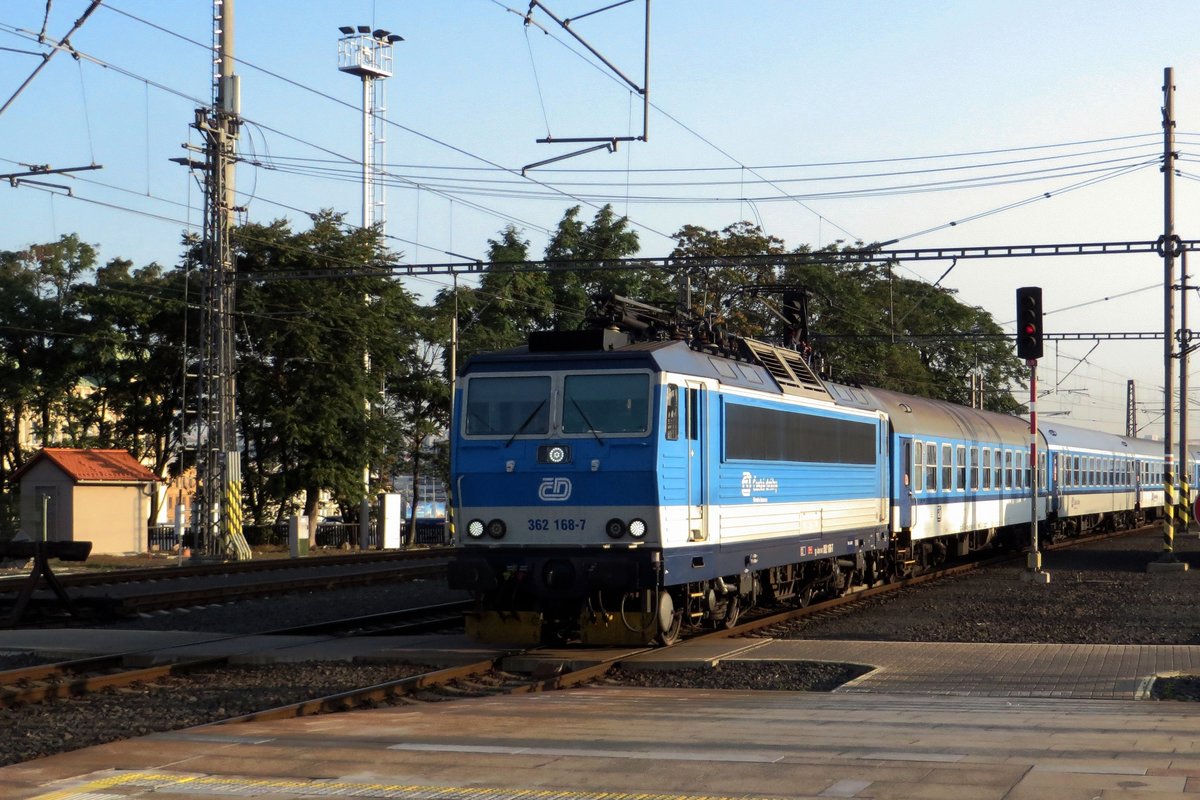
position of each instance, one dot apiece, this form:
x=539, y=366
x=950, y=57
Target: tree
x=133, y=350
x=870, y=327
x=572, y=283
x=508, y=304
x=717, y=285
x=304, y=386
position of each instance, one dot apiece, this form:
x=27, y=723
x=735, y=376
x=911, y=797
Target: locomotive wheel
x=670, y=619
x=733, y=611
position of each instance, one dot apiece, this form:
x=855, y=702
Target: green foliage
x=304, y=386
x=577, y=255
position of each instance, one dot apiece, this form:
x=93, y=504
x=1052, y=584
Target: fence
x=332, y=535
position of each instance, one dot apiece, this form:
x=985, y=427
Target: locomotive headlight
x=496, y=529
x=475, y=528
x=556, y=455
x=637, y=528
x=615, y=528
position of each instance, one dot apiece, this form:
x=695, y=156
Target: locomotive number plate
x=547, y=524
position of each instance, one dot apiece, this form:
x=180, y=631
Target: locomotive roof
x=668, y=356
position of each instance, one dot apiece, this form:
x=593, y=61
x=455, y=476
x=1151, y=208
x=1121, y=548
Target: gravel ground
x=794, y=676
x=1102, y=594
x=176, y=702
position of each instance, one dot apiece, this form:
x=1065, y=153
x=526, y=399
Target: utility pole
x=219, y=500
x=1185, y=490
x=1168, y=246
x=1131, y=429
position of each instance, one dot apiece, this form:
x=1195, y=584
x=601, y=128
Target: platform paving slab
x=656, y=744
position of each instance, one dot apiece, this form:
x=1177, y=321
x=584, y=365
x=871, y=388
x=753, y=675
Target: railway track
x=187, y=569
x=223, y=695
x=83, y=676
x=126, y=593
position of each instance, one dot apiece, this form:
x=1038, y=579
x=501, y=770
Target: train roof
x=1059, y=435
x=667, y=356
x=924, y=416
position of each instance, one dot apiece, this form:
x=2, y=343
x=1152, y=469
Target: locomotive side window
x=753, y=433
x=672, y=423
x=693, y=414
x=608, y=403
x=507, y=406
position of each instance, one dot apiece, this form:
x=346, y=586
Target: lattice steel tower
x=218, y=521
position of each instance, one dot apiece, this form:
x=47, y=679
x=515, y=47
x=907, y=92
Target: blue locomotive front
x=609, y=492
x=556, y=497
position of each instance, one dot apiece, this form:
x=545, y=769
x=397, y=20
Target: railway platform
x=960, y=721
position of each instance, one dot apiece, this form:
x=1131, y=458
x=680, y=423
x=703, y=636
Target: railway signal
x=1029, y=322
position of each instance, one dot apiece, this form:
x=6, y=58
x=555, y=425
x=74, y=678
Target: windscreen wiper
x=588, y=422
x=528, y=420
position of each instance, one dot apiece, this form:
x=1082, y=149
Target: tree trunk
x=312, y=501
x=411, y=537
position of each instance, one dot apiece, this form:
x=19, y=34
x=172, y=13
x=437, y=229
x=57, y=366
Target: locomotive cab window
x=508, y=405
x=607, y=403
x=672, y=423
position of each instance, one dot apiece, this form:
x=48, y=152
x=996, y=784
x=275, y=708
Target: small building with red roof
x=101, y=496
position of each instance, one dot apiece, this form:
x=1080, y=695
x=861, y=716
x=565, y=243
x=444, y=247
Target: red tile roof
x=115, y=466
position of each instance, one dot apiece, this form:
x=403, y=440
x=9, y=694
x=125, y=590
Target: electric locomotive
x=609, y=491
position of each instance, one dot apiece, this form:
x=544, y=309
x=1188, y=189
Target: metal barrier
x=331, y=535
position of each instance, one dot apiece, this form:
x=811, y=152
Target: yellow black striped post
x=1185, y=504
x=1169, y=503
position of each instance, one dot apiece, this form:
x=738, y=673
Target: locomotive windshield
x=508, y=405
x=608, y=403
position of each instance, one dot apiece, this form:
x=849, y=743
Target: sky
x=1022, y=122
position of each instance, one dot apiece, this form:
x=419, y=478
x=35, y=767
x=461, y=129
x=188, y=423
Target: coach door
x=697, y=396
x=904, y=496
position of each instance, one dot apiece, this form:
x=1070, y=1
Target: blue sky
x=737, y=87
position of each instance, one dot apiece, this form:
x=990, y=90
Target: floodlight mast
x=367, y=54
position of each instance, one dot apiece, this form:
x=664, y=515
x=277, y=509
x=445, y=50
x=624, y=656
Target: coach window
x=997, y=467
x=918, y=467
x=973, y=454
x=1008, y=478
x=931, y=466
x=672, y=424
x=1019, y=458
x=960, y=459
x=987, y=468
x=947, y=467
